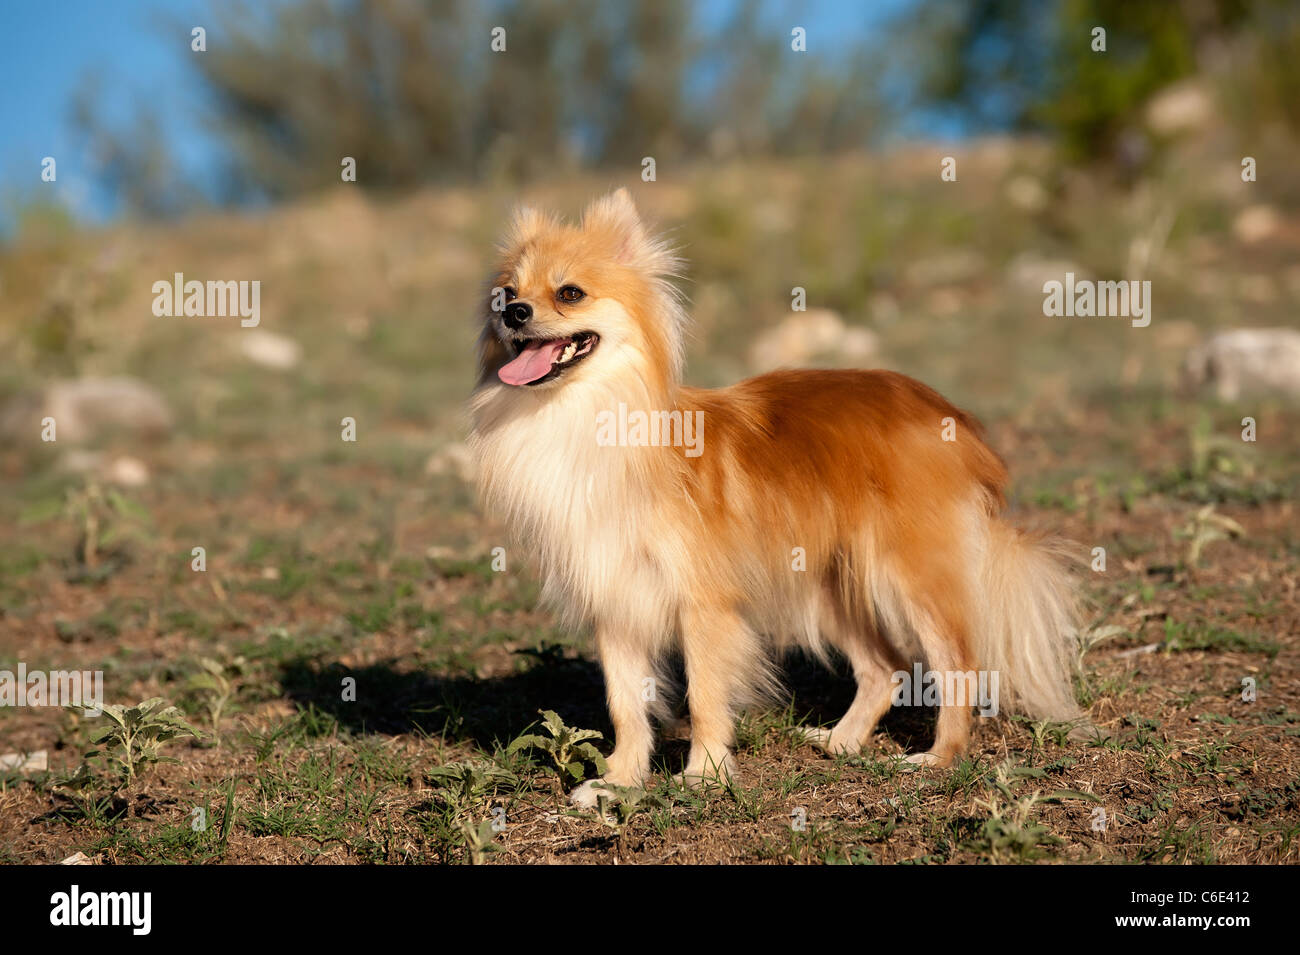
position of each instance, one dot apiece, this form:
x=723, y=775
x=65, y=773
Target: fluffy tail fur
x=1028, y=625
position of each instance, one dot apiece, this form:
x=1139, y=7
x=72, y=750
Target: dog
x=850, y=510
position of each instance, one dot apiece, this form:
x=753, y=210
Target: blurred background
x=794, y=144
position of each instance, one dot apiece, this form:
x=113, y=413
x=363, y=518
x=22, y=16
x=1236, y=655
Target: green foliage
x=106, y=519
x=216, y=684
x=1027, y=64
x=570, y=749
x=469, y=783
x=618, y=804
x=401, y=88
x=132, y=741
x=1011, y=833
x=1204, y=528
x=480, y=840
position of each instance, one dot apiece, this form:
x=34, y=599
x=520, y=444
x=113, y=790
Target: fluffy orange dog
x=849, y=509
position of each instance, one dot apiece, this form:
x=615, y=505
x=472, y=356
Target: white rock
x=127, y=471
x=858, y=344
x=1256, y=223
x=37, y=762
x=1180, y=108
x=84, y=409
x=79, y=859
x=818, y=331
x=1026, y=194
x=270, y=349
x=1027, y=273
x=1247, y=361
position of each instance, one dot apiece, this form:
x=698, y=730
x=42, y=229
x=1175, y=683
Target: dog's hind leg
x=874, y=662
x=944, y=640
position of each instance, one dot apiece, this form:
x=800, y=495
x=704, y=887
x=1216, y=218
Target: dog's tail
x=1027, y=626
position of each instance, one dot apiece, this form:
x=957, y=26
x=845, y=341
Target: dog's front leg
x=626, y=657
x=724, y=664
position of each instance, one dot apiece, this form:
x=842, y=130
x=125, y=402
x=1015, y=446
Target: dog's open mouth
x=539, y=360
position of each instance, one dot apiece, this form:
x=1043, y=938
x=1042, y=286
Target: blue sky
x=47, y=49
x=137, y=50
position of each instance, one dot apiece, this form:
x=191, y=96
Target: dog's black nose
x=517, y=314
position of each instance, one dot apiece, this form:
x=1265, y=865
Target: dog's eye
x=509, y=293
x=571, y=293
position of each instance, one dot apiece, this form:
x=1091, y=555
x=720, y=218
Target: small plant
x=569, y=748
x=1205, y=527
x=134, y=738
x=480, y=840
x=105, y=518
x=216, y=685
x=1213, y=455
x=1092, y=637
x=626, y=802
x=1010, y=834
x=463, y=784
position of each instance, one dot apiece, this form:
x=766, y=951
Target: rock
x=1180, y=108
x=1027, y=273
x=269, y=349
x=1247, y=361
x=454, y=459
x=803, y=335
x=127, y=471
x=124, y=470
x=37, y=762
x=1026, y=194
x=79, y=858
x=86, y=409
x=1255, y=224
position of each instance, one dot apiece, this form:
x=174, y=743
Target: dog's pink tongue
x=532, y=363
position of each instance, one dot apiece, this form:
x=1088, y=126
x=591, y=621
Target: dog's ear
x=525, y=225
x=616, y=216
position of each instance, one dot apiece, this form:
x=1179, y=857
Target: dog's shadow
x=820, y=697
x=387, y=697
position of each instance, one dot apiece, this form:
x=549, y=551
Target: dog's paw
x=814, y=736
x=588, y=794
x=723, y=775
x=924, y=760
x=828, y=742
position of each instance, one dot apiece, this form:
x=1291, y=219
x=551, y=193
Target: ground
x=370, y=560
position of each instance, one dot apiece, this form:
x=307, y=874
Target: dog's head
x=588, y=302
